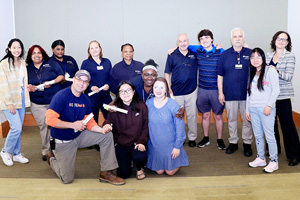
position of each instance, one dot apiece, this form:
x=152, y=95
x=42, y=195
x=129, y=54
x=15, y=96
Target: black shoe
x=220, y=144
x=247, y=150
x=231, y=148
x=293, y=162
x=204, y=142
x=192, y=143
x=44, y=158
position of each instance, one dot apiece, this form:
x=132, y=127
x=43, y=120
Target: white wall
x=7, y=24
x=294, y=31
x=151, y=26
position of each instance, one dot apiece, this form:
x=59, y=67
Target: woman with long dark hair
x=130, y=131
x=41, y=70
x=14, y=99
x=283, y=60
x=263, y=90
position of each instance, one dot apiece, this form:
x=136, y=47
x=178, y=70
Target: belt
x=62, y=141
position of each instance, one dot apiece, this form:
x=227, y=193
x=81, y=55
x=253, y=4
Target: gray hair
x=237, y=28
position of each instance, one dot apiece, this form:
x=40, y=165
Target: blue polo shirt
x=48, y=71
x=207, y=65
x=234, y=79
x=121, y=71
x=68, y=65
x=138, y=83
x=99, y=73
x=70, y=109
x=184, y=72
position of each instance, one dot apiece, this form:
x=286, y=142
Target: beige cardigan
x=10, y=88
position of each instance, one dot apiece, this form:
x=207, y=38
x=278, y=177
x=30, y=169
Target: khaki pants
x=39, y=112
x=189, y=103
x=63, y=164
x=232, y=108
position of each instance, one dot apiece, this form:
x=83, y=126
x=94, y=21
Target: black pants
x=289, y=131
x=97, y=102
x=127, y=154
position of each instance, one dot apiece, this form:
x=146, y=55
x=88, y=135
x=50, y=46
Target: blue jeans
x=13, y=139
x=264, y=125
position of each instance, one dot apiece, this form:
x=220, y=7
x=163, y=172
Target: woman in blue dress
x=166, y=132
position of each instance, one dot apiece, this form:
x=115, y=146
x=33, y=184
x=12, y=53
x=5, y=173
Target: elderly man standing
x=233, y=67
x=182, y=64
x=68, y=116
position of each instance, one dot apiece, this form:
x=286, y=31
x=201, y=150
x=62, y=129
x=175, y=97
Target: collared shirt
x=68, y=65
x=49, y=70
x=235, y=76
x=123, y=72
x=184, y=72
x=207, y=66
x=138, y=83
x=99, y=73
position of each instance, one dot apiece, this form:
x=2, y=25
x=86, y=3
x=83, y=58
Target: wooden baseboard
x=30, y=121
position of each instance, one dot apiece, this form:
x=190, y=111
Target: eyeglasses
x=82, y=81
x=255, y=57
x=159, y=88
x=152, y=75
x=128, y=91
x=281, y=39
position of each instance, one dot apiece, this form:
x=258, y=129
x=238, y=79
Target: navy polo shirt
x=68, y=65
x=99, y=73
x=49, y=70
x=184, y=72
x=70, y=109
x=121, y=71
x=234, y=80
x=138, y=83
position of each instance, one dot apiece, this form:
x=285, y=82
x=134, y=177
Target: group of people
x=144, y=126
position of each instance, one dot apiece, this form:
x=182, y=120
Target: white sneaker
x=6, y=157
x=271, y=167
x=20, y=158
x=258, y=162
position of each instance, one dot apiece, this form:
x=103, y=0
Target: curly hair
x=288, y=46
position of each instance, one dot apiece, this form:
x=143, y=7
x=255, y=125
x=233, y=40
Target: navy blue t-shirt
x=184, y=72
x=138, y=83
x=70, y=109
x=49, y=70
x=234, y=79
x=123, y=72
x=99, y=73
x=68, y=65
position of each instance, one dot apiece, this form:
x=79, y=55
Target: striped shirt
x=285, y=67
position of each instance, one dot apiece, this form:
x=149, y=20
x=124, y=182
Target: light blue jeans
x=264, y=125
x=13, y=139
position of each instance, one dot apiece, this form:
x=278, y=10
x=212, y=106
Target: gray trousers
x=39, y=112
x=189, y=103
x=232, y=108
x=63, y=164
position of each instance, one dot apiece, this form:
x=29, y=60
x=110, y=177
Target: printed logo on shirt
x=70, y=62
x=191, y=56
x=246, y=57
x=46, y=65
x=138, y=71
x=78, y=105
x=137, y=114
x=266, y=83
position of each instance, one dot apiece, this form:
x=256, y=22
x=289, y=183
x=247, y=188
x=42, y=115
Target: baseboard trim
x=30, y=121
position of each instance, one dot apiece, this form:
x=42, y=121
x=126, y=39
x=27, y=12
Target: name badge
x=238, y=66
x=99, y=67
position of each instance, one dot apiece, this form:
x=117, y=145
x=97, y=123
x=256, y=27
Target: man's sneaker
x=20, y=158
x=258, y=162
x=220, y=144
x=271, y=167
x=204, y=142
x=6, y=157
